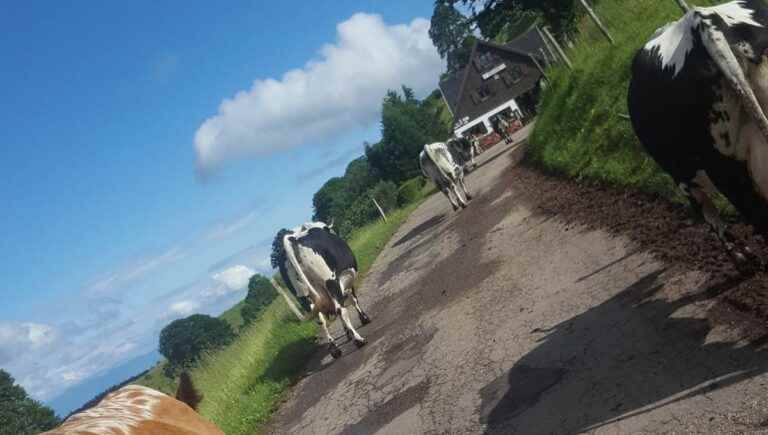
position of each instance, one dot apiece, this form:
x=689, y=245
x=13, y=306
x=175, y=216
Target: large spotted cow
x=697, y=102
x=438, y=165
x=321, y=269
x=137, y=410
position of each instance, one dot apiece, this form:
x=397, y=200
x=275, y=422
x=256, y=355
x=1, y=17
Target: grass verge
x=578, y=131
x=242, y=384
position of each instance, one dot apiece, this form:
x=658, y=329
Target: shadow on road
x=420, y=228
x=626, y=357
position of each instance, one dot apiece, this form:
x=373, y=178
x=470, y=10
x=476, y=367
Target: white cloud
x=235, y=278
x=134, y=272
x=230, y=228
x=184, y=308
x=342, y=89
x=14, y=336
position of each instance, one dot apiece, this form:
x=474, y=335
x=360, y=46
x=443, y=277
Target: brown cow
x=134, y=410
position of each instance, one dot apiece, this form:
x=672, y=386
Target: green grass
x=243, y=383
x=578, y=131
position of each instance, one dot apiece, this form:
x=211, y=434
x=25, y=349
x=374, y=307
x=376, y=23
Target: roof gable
x=484, y=68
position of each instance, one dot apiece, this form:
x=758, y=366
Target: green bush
x=410, y=191
x=260, y=295
x=19, y=414
x=385, y=193
x=184, y=341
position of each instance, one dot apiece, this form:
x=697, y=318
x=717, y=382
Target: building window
x=484, y=62
x=512, y=76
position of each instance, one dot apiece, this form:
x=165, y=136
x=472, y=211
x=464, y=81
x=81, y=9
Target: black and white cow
x=321, y=268
x=697, y=102
x=438, y=165
x=464, y=151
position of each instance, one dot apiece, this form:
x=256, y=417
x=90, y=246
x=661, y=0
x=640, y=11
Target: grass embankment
x=578, y=131
x=243, y=383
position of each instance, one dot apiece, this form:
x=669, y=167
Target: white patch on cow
x=675, y=40
x=121, y=412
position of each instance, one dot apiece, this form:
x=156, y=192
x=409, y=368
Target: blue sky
x=150, y=151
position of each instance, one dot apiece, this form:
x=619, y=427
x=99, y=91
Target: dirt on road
x=546, y=307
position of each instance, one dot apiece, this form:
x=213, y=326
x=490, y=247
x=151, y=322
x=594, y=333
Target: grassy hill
x=579, y=132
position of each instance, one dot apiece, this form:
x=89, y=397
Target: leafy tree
x=451, y=33
x=492, y=17
x=406, y=126
x=278, y=252
x=260, y=294
x=184, y=341
x=20, y=414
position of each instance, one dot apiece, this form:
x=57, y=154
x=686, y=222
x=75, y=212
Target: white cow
x=438, y=165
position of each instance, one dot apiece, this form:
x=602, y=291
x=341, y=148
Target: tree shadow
x=625, y=357
x=420, y=228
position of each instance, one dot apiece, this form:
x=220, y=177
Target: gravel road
x=502, y=318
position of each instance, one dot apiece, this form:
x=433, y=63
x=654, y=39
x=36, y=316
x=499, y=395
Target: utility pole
x=683, y=5
x=384, y=216
x=597, y=21
x=558, y=48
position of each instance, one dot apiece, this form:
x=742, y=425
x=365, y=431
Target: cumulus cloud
x=236, y=277
x=184, y=308
x=339, y=90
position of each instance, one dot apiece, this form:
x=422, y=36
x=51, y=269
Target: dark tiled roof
x=450, y=89
x=516, y=52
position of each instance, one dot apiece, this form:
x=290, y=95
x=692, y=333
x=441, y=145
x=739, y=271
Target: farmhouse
x=498, y=80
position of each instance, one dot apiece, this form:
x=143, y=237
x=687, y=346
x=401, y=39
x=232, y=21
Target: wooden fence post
x=551, y=51
x=384, y=216
x=288, y=300
x=538, y=65
x=597, y=21
x=683, y=5
x=558, y=48
x=547, y=62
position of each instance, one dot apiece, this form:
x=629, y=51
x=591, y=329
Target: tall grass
x=579, y=132
x=243, y=382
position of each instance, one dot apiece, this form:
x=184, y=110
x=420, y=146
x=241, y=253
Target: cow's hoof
x=335, y=351
x=469, y=197
x=364, y=319
x=360, y=343
x=455, y=208
x=463, y=205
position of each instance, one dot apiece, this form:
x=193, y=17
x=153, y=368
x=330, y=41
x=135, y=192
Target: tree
x=492, y=16
x=260, y=294
x=184, y=341
x=20, y=414
x=451, y=33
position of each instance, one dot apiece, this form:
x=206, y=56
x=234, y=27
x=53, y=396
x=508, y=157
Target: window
x=512, y=76
x=484, y=91
x=484, y=62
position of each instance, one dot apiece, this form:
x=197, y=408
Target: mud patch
x=511, y=394
x=655, y=224
x=382, y=414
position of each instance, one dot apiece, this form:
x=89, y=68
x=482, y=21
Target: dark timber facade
x=498, y=80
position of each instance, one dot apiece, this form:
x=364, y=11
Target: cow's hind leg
x=334, y=350
x=364, y=319
x=463, y=186
x=699, y=192
x=447, y=192
x=463, y=201
x=344, y=314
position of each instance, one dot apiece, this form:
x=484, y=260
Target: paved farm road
x=498, y=320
